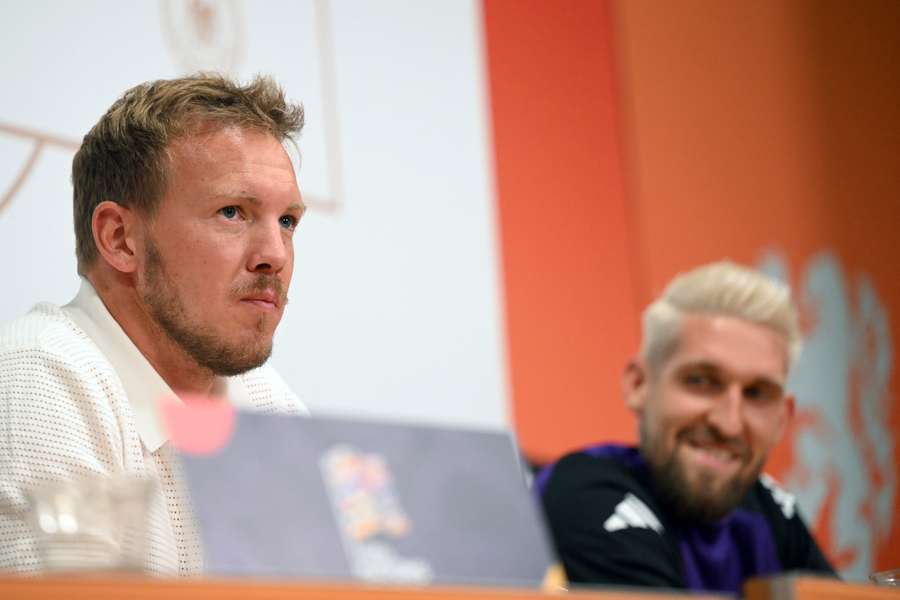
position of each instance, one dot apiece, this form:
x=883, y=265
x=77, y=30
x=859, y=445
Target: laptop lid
x=375, y=501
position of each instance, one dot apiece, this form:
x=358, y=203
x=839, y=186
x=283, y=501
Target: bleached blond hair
x=719, y=288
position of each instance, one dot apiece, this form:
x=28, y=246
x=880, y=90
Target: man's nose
x=726, y=414
x=269, y=249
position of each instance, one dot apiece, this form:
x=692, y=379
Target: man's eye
x=695, y=379
x=699, y=381
x=288, y=222
x=762, y=392
x=229, y=212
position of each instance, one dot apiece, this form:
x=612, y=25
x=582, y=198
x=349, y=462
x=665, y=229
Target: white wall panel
x=395, y=306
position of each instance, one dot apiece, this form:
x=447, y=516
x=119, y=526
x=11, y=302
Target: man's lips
x=263, y=300
x=715, y=457
x=265, y=293
x=714, y=451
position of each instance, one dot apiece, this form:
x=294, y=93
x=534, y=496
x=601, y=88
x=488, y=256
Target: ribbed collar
x=143, y=385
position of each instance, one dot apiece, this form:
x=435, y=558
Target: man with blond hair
x=690, y=507
x=185, y=206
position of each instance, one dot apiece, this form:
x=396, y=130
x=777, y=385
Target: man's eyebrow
x=700, y=364
x=767, y=381
x=236, y=196
x=713, y=367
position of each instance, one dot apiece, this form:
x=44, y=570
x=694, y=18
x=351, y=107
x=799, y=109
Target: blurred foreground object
x=890, y=577
x=92, y=523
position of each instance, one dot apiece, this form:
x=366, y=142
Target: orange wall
x=569, y=301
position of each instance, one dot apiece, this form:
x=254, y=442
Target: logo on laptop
x=369, y=516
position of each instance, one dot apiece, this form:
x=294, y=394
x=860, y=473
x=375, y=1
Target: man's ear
x=635, y=384
x=114, y=228
x=790, y=406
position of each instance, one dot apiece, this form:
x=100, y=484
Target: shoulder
x=268, y=392
x=606, y=482
x=58, y=397
x=768, y=498
x=605, y=521
x=797, y=549
x=56, y=387
x=611, y=467
x=47, y=349
x=771, y=493
x=61, y=404
x=44, y=326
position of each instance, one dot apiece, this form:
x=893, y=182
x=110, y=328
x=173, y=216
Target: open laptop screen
x=337, y=498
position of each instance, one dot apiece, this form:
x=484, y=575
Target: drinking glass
x=890, y=577
x=91, y=523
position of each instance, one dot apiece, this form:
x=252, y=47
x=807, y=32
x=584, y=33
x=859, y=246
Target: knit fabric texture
x=64, y=413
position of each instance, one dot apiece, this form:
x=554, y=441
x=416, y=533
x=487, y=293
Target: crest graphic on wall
x=843, y=472
x=204, y=35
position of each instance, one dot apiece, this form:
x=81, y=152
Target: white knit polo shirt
x=78, y=398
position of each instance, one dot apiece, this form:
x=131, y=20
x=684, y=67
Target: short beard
x=206, y=348
x=697, y=504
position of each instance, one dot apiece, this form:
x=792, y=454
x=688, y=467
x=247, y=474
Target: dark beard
x=679, y=499
x=204, y=347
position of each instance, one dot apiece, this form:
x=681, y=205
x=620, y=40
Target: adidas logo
x=632, y=512
x=784, y=499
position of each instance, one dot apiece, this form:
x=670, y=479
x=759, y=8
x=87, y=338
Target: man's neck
x=175, y=366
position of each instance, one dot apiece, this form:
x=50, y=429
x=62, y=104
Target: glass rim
x=886, y=574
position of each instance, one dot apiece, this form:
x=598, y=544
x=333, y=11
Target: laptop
x=334, y=498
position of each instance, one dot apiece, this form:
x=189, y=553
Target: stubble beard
x=700, y=500
x=204, y=346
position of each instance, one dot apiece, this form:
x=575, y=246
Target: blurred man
x=690, y=508
x=185, y=206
